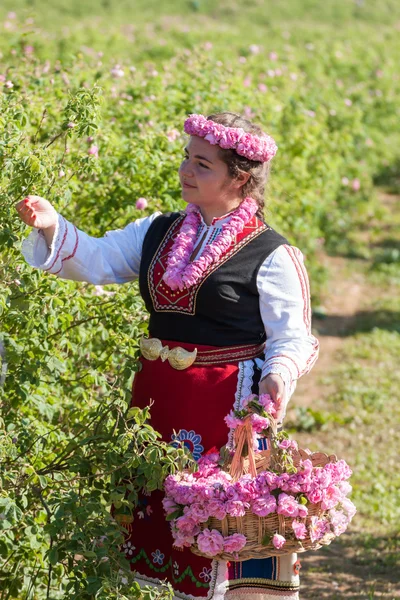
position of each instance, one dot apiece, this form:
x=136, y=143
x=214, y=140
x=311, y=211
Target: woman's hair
x=255, y=186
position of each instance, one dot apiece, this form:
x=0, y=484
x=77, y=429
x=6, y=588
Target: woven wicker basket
x=253, y=526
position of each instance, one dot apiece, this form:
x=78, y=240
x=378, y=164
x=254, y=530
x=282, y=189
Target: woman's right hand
x=37, y=212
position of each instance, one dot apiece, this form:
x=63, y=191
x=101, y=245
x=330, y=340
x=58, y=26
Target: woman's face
x=202, y=169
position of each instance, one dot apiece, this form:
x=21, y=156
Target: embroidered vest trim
x=166, y=300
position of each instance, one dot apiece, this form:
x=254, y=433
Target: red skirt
x=189, y=406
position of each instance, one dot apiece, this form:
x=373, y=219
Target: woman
x=230, y=314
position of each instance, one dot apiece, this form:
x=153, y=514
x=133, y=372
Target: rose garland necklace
x=180, y=272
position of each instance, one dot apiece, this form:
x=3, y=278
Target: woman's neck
x=210, y=212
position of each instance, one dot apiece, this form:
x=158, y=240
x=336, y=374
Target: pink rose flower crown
x=258, y=148
x=244, y=503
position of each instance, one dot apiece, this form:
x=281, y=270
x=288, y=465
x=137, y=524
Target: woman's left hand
x=274, y=385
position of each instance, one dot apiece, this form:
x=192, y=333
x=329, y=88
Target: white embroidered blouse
x=291, y=349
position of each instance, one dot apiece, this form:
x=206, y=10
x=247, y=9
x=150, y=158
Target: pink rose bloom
x=235, y=508
x=287, y=506
x=345, y=487
x=187, y=525
x=349, y=507
x=169, y=505
x=210, y=137
x=94, y=151
x=232, y=493
x=199, y=512
x=182, y=541
x=232, y=421
x=264, y=506
x=314, y=495
x=234, y=543
x=268, y=404
x=294, y=484
x=318, y=527
x=141, y=203
x=300, y=530
x=306, y=466
x=330, y=497
x=210, y=542
x=355, y=185
x=282, y=480
x=173, y=135
x=246, y=401
x=286, y=444
x=322, y=478
x=339, y=521
x=272, y=479
x=245, y=488
x=259, y=423
x=302, y=510
x=233, y=137
x=216, y=508
x=278, y=541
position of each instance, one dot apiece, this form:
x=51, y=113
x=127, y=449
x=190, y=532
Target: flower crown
x=251, y=146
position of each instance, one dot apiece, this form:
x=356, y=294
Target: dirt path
x=340, y=570
x=344, y=298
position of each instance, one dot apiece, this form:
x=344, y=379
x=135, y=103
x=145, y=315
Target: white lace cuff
x=281, y=369
x=64, y=244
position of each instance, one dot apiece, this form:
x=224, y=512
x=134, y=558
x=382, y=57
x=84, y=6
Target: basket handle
x=244, y=435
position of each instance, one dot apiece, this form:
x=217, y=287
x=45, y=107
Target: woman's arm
x=73, y=254
x=284, y=289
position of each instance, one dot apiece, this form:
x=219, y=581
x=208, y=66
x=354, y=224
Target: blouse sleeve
x=113, y=258
x=284, y=289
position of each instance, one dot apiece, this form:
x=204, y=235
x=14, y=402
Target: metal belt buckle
x=178, y=357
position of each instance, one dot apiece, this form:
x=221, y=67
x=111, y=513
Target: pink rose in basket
x=264, y=506
x=187, y=525
x=259, y=423
x=199, y=512
x=300, y=530
x=210, y=542
x=322, y=477
x=268, y=404
x=216, y=508
x=245, y=488
x=236, y=508
x=271, y=479
x=289, y=507
x=339, y=470
x=314, y=495
x=318, y=527
x=234, y=543
x=339, y=521
x=348, y=507
x=278, y=541
x=306, y=466
x=330, y=497
x=287, y=444
x=183, y=541
x=232, y=421
x=169, y=505
x=345, y=487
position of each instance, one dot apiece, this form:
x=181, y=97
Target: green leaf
x=174, y=515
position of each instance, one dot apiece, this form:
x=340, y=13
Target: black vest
x=223, y=308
